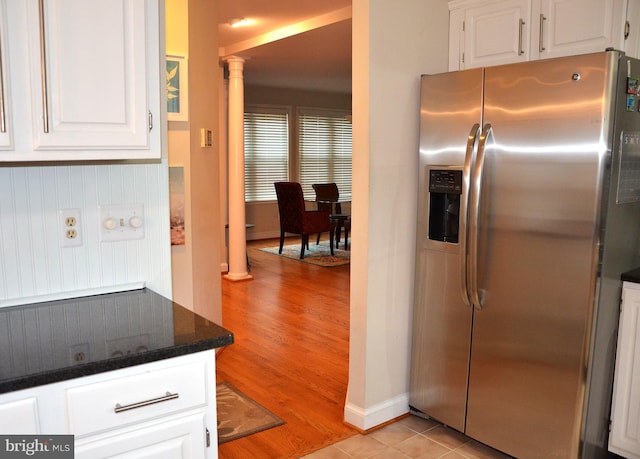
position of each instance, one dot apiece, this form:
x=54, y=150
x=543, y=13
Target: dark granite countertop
x=631, y=276
x=53, y=341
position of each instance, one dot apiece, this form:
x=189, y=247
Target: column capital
x=234, y=60
x=236, y=67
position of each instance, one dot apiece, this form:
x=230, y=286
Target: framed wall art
x=177, y=205
x=177, y=89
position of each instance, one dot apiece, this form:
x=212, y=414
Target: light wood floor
x=291, y=352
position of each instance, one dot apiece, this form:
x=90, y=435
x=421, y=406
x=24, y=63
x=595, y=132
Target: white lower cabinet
x=95, y=408
x=162, y=409
x=624, y=438
x=19, y=417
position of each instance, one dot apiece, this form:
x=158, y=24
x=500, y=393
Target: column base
x=235, y=277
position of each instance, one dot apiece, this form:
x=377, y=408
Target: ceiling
x=300, y=44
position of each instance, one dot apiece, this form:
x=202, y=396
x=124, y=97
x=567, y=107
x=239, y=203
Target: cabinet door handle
x=168, y=396
x=541, y=47
x=627, y=29
x=43, y=70
x=3, y=121
x=520, y=50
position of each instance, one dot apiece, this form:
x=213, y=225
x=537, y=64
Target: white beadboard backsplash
x=32, y=262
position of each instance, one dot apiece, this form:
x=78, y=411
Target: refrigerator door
x=537, y=251
x=450, y=107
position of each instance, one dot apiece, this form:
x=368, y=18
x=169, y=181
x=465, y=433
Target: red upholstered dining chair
x=294, y=218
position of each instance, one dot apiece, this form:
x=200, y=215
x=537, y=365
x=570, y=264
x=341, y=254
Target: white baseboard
x=367, y=418
x=251, y=236
x=224, y=267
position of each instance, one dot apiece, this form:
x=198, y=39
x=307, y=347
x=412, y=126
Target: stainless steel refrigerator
x=528, y=213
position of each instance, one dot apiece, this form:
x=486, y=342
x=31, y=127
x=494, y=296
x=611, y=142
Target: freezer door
x=450, y=107
x=537, y=252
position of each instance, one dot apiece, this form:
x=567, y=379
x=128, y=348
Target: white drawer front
x=130, y=399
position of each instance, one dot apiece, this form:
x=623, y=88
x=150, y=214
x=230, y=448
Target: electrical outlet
x=79, y=354
x=70, y=233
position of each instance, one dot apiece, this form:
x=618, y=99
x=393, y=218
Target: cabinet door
x=6, y=123
x=569, y=27
x=632, y=43
x=94, y=90
x=172, y=439
x=624, y=438
x=19, y=417
x=496, y=33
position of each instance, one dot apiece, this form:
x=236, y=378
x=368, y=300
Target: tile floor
x=410, y=437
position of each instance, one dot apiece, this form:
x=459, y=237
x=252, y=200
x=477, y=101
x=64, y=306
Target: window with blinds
x=266, y=152
x=324, y=150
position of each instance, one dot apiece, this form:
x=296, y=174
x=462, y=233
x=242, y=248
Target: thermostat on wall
x=206, y=137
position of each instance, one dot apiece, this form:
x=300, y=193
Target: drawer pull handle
x=168, y=396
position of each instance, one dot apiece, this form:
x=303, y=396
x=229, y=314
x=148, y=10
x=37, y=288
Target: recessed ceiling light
x=238, y=22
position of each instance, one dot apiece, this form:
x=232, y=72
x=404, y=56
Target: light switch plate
x=121, y=222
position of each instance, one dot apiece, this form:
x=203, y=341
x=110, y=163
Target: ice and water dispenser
x=445, y=189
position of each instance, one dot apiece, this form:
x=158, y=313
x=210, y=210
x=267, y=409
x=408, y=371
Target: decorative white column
x=237, y=219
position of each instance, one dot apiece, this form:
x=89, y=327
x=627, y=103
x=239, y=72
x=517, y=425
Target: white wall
x=196, y=273
x=204, y=163
x=32, y=263
x=393, y=44
x=178, y=138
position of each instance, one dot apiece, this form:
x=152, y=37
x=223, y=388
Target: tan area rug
x=319, y=255
x=239, y=416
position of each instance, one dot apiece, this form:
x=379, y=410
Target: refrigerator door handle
x=464, y=212
x=474, y=213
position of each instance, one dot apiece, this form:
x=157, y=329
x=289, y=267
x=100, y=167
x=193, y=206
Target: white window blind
x=266, y=152
x=324, y=149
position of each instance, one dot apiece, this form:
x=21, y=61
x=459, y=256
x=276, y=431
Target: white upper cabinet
x=567, y=27
x=484, y=33
x=6, y=125
x=93, y=83
x=489, y=33
x=86, y=77
x=632, y=34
